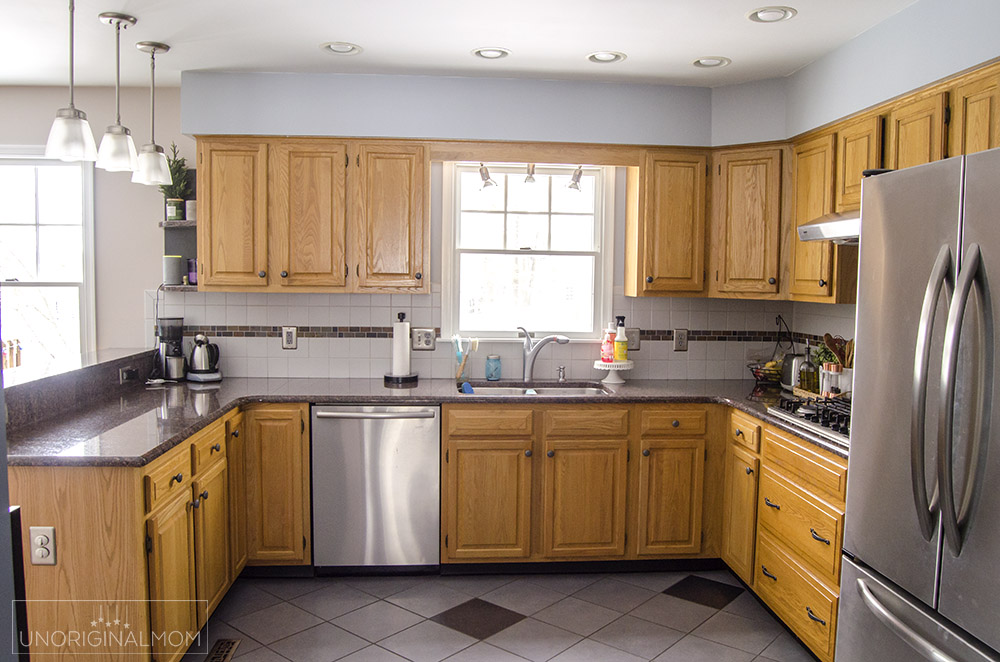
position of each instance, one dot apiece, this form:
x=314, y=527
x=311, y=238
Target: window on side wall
x=520, y=253
x=46, y=266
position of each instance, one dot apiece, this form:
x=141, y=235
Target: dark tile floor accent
x=706, y=592
x=478, y=618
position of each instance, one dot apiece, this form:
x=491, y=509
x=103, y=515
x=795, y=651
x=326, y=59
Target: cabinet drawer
x=805, y=605
x=807, y=465
x=208, y=448
x=586, y=423
x=167, y=477
x=812, y=529
x=489, y=422
x=745, y=430
x=678, y=422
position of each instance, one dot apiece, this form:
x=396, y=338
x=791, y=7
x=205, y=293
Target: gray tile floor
x=623, y=617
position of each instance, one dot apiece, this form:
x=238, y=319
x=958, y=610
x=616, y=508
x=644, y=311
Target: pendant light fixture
x=117, y=151
x=153, y=169
x=70, y=138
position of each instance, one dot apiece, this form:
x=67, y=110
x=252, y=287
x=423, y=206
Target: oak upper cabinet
x=232, y=213
x=812, y=261
x=739, y=511
x=236, y=458
x=277, y=480
x=859, y=148
x=747, y=219
x=975, y=121
x=916, y=132
x=665, y=225
x=172, y=591
x=392, y=210
x=308, y=239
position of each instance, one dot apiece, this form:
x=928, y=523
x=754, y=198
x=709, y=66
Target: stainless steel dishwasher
x=376, y=485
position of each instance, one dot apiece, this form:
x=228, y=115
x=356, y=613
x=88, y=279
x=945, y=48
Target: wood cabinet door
x=671, y=474
x=976, y=117
x=488, y=498
x=859, y=148
x=232, y=213
x=812, y=261
x=916, y=132
x=171, y=563
x=739, y=511
x=583, y=498
x=392, y=222
x=277, y=476
x=308, y=240
x=748, y=208
x=236, y=458
x=211, y=537
x=673, y=242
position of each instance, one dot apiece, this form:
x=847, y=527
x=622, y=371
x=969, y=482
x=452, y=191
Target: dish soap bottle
x=621, y=340
x=608, y=344
x=809, y=374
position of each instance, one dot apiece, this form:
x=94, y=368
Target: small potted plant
x=176, y=192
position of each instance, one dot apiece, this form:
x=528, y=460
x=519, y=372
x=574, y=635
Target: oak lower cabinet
x=236, y=458
x=277, y=479
x=212, y=537
x=739, y=511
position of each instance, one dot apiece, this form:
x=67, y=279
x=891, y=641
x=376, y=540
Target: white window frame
x=604, y=213
x=35, y=155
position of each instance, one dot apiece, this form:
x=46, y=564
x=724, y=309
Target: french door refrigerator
x=921, y=571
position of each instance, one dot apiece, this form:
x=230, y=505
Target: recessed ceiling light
x=771, y=14
x=491, y=52
x=341, y=48
x=606, y=57
x=712, y=61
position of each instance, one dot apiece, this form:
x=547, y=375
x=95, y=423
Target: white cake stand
x=613, y=369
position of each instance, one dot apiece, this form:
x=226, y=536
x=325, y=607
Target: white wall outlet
x=289, y=337
x=633, y=338
x=680, y=340
x=422, y=340
x=43, y=545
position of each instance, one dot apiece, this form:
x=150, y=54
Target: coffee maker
x=170, y=335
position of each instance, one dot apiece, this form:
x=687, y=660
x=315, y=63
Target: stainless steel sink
x=549, y=391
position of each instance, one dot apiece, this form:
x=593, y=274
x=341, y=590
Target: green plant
x=181, y=187
x=822, y=354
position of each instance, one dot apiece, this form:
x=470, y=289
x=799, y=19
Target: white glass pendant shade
x=153, y=169
x=117, y=151
x=70, y=138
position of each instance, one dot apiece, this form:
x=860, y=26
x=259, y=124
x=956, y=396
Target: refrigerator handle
x=940, y=277
x=956, y=520
x=900, y=628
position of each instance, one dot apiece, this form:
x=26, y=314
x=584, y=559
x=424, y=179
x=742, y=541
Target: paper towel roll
x=400, y=349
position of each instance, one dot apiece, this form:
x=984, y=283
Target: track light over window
x=530, y=176
x=574, y=181
x=484, y=173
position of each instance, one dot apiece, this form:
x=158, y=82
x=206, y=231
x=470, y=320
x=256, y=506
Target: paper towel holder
x=401, y=381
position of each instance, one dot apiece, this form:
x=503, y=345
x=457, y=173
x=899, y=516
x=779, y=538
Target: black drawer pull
x=749, y=471
x=814, y=617
x=178, y=478
x=739, y=432
x=767, y=502
x=818, y=537
x=676, y=424
x=215, y=448
x=768, y=574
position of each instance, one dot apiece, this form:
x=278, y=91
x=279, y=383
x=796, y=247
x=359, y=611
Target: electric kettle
x=204, y=363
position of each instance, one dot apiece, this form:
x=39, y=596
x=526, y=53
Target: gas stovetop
x=829, y=418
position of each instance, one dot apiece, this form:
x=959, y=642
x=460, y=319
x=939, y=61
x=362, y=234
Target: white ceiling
x=549, y=38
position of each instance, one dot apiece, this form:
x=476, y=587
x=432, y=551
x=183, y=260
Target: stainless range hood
x=842, y=228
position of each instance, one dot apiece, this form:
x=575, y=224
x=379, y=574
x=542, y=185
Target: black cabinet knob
x=739, y=432
x=262, y=273
x=527, y=453
x=771, y=281
x=236, y=432
x=749, y=471
x=551, y=453
x=204, y=494
x=214, y=449
x=676, y=424
x=284, y=274
x=649, y=279
x=196, y=503
x=645, y=452
x=822, y=283
x=418, y=275
x=178, y=478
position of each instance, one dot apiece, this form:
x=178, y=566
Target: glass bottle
x=809, y=374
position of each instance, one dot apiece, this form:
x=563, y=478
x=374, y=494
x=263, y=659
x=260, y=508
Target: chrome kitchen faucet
x=531, y=348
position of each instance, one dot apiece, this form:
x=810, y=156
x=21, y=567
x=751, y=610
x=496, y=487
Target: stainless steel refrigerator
x=921, y=571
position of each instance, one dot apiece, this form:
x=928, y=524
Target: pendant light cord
x=72, y=7
x=118, y=72
x=152, y=96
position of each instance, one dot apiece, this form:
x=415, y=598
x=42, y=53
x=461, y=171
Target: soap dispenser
x=608, y=344
x=621, y=340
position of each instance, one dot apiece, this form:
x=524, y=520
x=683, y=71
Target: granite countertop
x=143, y=423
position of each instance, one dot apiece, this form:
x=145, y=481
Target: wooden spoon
x=836, y=347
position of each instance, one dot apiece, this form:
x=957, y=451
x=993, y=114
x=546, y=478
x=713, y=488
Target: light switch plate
x=680, y=340
x=289, y=337
x=43, y=545
x=422, y=340
x=633, y=338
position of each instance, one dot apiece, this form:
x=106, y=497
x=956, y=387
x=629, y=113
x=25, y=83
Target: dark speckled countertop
x=143, y=423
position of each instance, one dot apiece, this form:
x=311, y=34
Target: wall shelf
x=180, y=288
x=178, y=224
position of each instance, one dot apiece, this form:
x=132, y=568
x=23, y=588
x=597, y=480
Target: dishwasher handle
x=380, y=415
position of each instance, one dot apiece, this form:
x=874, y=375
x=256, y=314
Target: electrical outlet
x=43, y=545
x=422, y=340
x=289, y=337
x=127, y=374
x=633, y=338
x=680, y=340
